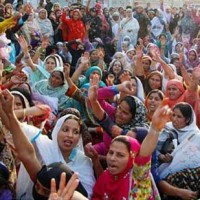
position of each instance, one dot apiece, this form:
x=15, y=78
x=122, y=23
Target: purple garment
x=5, y=194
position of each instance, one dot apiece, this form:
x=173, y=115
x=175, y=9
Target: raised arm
x=24, y=46
x=24, y=149
x=159, y=119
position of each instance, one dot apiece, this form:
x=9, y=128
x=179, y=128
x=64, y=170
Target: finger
x=62, y=183
x=72, y=179
x=53, y=185
x=69, y=191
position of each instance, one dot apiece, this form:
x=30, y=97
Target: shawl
x=84, y=83
x=157, y=27
x=43, y=87
x=78, y=162
x=124, y=185
x=179, y=85
x=140, y=119
x=41, y=71
x=192, y=64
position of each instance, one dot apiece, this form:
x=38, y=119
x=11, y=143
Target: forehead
x=119, y=146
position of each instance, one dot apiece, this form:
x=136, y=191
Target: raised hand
x=161, y=116
x=66, y=70
x=91, y=152
x=23, y=43
x=126, y=87
x=65, y=191
x=139, y=51
x=196, y=72
x=125, y=77
x=94, y=83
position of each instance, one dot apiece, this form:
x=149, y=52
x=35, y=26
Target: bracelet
x=114, y=89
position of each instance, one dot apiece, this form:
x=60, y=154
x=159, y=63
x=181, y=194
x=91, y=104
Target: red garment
x=117, y=187
x=75, y=28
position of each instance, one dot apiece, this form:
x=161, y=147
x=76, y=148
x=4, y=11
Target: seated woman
x=153, y=99
x=181, y=127
x=55, y=86
x=128, y=162
x=62, y=148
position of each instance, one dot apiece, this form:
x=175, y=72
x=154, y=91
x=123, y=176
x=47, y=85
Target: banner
x=186, y=155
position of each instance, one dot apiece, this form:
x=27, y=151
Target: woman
x=75, y=26
x=182, y=126
x=153, y=81
x=183, y=130
x=130, y=27
x=54, y=87
x=66, y=135
x=120, y=179
x=45, y=25
x=130, y=112
x=116, y=68
x=153, y=99
x=192, y=59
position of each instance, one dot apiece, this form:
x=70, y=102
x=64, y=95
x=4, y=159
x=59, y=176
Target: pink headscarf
x=117, y=186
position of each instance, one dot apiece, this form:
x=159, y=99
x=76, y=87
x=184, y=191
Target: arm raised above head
x=25, y=150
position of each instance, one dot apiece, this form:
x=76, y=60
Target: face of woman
x=94, y=73
x=17, y=103
x=123, y=114
x=94, y=55
x=76, y=16
x=55, y=79
x=154, y=82
x=153, y=101
x=50, y=64
x=117, y=67
x=129, y=13
x=192, y=56
x=68, y=135
x=42, y=14
x=117, y=157
x=178, y=120
x=130, y=54
x=173, y=92
x=134, y=86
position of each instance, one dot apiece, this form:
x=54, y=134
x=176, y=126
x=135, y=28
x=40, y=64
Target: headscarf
x=139, y=119
x=118, y=186
x=75, y=154
x=192, y=64
x=87, y=76
x=179, y=85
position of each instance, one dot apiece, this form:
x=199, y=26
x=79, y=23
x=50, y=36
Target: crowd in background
x=112, y=94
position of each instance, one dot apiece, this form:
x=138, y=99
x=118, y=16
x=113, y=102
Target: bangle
x=114, y=89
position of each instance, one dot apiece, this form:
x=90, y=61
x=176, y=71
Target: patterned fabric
x=187, y=179
x=144, y=186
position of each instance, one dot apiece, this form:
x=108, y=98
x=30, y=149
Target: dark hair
x=124, y=140
x=61, y=74
x=159, y=92
x=132, y=104
x=27, y=95
x=186, y=111
x=54, y=170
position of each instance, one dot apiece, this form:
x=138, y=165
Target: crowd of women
x=99, y=103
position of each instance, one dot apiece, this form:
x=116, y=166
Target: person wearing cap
x=62, y=148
